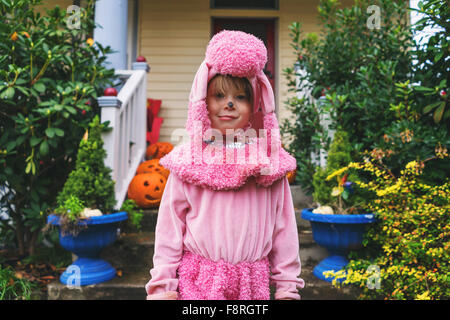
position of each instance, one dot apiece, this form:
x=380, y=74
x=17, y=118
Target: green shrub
x=341, y=195
x=135, y=214
x=90, y=183
x=50, y=78
x=409, y=245
x=432, y=62
x=354, y=69
x=411, y=137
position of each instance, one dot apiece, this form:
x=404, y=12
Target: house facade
x=172, y=35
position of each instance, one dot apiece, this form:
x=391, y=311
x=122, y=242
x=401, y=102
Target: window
x=244, y=4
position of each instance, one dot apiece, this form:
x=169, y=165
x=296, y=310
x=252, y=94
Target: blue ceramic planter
x=339, y=234
x=88, y=269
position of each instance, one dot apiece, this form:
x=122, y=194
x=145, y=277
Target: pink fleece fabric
x=248, y=224
x=203, y=279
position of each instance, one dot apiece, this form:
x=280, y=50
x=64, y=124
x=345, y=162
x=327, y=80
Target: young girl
x=226, y=227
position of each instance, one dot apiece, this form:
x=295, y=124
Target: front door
x=262, y=28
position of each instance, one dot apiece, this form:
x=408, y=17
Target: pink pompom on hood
x=223, y=166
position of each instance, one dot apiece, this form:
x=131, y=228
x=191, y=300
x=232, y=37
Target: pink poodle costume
x=226, y=230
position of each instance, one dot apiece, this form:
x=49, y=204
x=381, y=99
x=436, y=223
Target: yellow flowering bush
x=406, y=253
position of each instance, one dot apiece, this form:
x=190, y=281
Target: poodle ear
x=200, y=83
x=267, y=97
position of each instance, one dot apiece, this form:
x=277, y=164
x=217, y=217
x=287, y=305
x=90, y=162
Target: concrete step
x=149, y=219
x=131, y=251
x=130, y=286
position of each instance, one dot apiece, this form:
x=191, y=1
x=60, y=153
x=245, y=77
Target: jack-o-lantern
x=146, y=189
x=153, y=165
x=291, y=176
x=158, y=150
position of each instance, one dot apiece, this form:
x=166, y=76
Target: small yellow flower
x=90, y=41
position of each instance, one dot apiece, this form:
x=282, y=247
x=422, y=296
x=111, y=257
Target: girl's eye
x=241, y=97
x=219, y=95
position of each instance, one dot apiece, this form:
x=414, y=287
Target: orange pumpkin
x=291, y=176
x=153, y=165
x=146, y=189
x=158, y=150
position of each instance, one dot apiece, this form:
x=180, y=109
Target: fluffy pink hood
x=222, y=166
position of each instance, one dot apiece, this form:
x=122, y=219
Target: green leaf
x=10, y=146
x=59, y=132
x=28, y=168
x=44, y=148
x=446, y=114
x=34, y=141
x=20, y=81
x=423, y=89
x=8, y=93
x=39, y=87
x=50, y=132
x=23, y=90
x=345, y=194
x=439, y=112
x=47, y=103
x=430, y=107
x=439, y=56
x=72, y=110
x=58, y=107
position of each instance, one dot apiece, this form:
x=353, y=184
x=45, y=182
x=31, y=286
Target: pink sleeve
x=284, y=257
x=169, y=232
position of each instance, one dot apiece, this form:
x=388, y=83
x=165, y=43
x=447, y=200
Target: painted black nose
x=230, y=104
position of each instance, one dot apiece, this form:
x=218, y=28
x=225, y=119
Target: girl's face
x=228, y=110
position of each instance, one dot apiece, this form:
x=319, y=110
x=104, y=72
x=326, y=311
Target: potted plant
x=338, y=222
x=83, y=215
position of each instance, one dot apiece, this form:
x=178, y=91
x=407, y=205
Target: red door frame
x=269, y=40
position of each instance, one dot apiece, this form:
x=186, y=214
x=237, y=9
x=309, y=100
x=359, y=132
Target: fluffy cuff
x=279, y=295
x=168, y=295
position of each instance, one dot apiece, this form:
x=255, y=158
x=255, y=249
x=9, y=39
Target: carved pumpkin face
x=291, y=176
x=146, y=189
x=153, y=165
x=158, y=150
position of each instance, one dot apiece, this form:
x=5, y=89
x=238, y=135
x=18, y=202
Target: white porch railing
x=125, y=144
x=324, y=119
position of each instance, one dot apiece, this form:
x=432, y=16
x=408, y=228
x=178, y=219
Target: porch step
x=149, y=219
x=131, y=251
